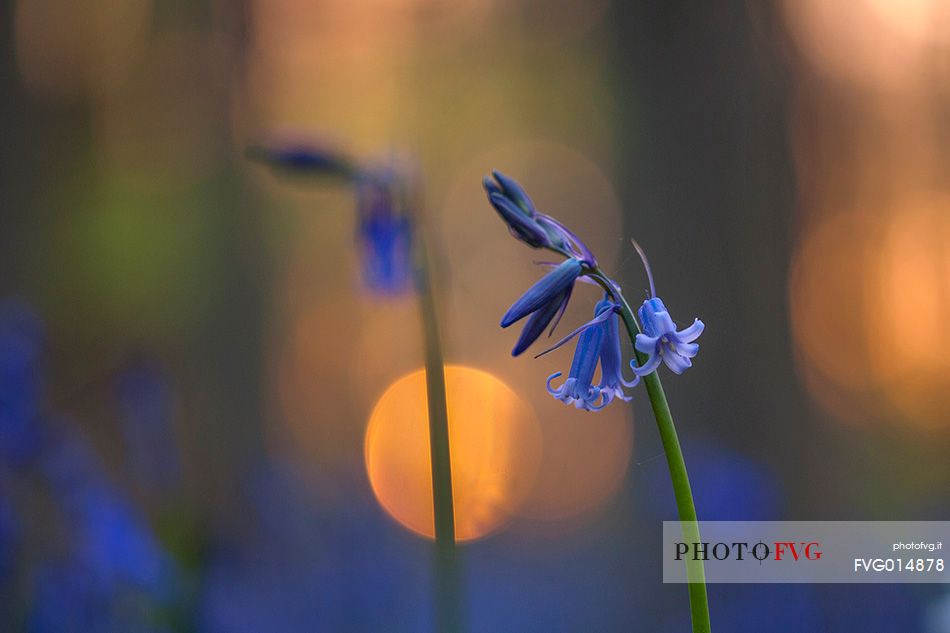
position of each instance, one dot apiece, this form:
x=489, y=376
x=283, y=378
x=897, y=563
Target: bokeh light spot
x=494, y=442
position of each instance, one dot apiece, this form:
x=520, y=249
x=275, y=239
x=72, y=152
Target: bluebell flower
x=661, y=341
x=517, y=210
x=300, y=158
x=529, y=225
x=545, y=301
x=578, y=388
x=599, y=342
x=110, y=539
x=612, y=380
x=520, y=224
x=385, y=233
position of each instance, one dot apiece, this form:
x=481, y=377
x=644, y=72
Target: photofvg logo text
x=742, y=550
x=805, y=551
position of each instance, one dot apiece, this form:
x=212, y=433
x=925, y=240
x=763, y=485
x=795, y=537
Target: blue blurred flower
x=661, y=341
x=145, y=406
x=384, y=232
x=299, y=158
x=545, y=301
x=108, y=536
x=599, y=342
x=21, y=381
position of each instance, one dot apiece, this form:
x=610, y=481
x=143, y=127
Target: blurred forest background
x=189, y=360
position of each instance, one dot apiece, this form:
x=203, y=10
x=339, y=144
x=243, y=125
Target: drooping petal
x=691, y=333
x=612, y=380
x=676, y=362
x=520, y=224
x=689, y=350
x=545, y=290
x=538, y=321
x=589, y=400
x=515, y=191
x=652, y=362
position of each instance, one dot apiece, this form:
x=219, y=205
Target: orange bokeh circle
x=494, y=443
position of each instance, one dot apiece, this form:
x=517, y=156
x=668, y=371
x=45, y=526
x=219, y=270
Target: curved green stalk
x=695, y=572
x=446, y=577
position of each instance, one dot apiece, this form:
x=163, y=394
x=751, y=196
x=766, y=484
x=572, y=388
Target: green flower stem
x=695, y=572
x=447, y=587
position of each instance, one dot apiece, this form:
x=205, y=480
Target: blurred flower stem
x=695, y=572
x=446, y=577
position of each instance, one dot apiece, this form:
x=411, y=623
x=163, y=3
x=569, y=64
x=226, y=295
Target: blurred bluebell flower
x=145, y=406
x=545, y=301
x=530, y=226
x=661, y=341
x=21, y=381
x=385, y=232
x=598, y=342
x=299, y=158
x=109, y=538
